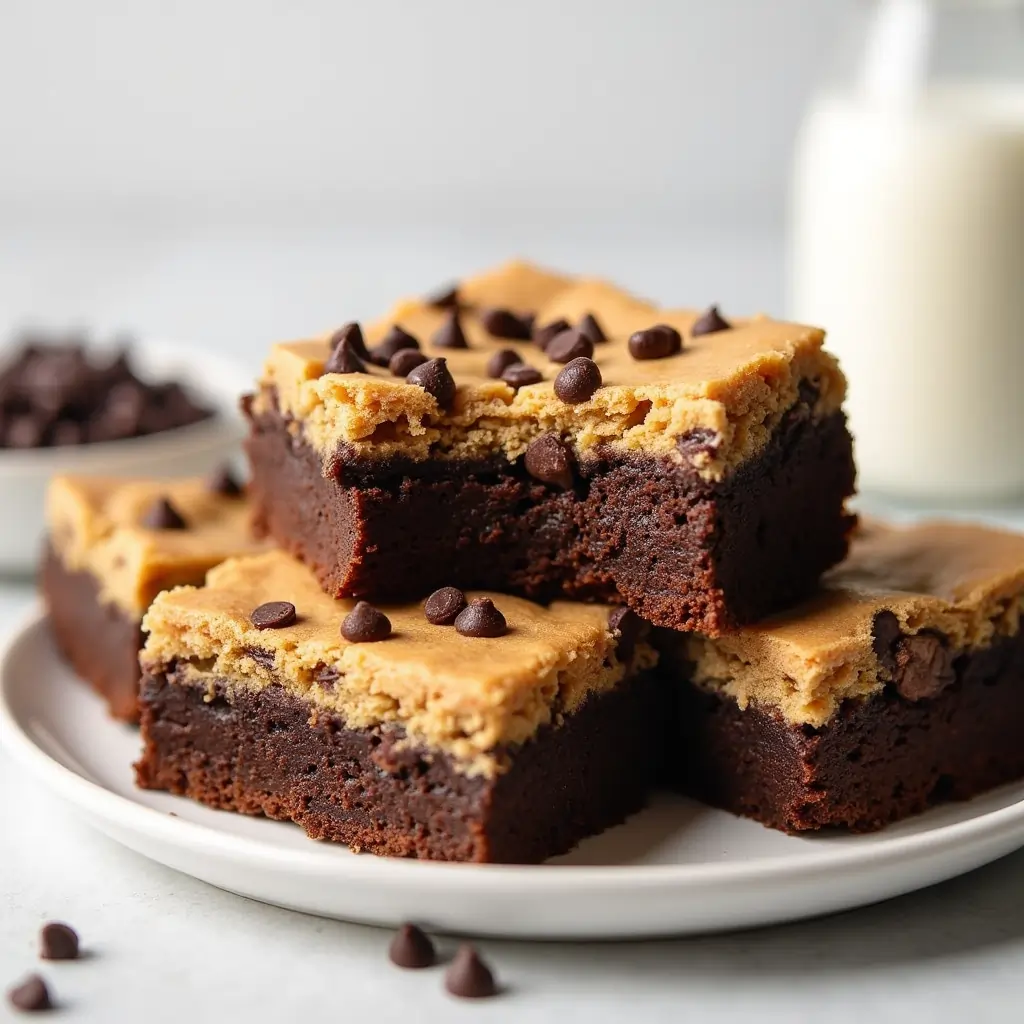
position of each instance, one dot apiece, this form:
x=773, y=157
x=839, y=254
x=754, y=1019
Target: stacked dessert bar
x=541, y=546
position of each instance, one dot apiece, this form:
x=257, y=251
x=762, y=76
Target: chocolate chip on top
x=444, y=298
x=343, y=359
x=223, y=482
x=549, y=460
x=501, y=361
x=353, y=334
x=450, y=333
x=518, y=375
x=443, y=606
x=503, y=323
x=273, y=615
x=435, y=378
x=542, y=336
x=412, y=948
x=162, y=515
x=394, y=341
x=406, y=360
x=365, y=624
x=569, y=345
x=657, y=342
x=710, y=322
x=590, y=328
x=468, y=977
x=30, y=995
x=481, y=619
x=578, y=380
x=58, y=941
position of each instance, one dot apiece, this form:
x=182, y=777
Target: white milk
x=908, y=247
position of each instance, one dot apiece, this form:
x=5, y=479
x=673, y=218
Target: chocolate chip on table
x=343, y=359
x=405, y=361
x=353, y=334
x=444, y=298
x=468, y=977
x=273, y=615
x=58, y=941
x=578, y=380
x=394, y=341
x=365, y=624
x=450, y=333
x=222, y=481
x=569, y=345
x=710, y=322
x=549, y=460
x=162, y=515
x=590, y=328
x=518, y=375
x=657, y=342
x=436, y=379
x=503, y=323
x=412, y=948
x=628, y=625
x=30, y=995
x=542, y=336
x=501, y=361
x=481, y=619
x=443, y=606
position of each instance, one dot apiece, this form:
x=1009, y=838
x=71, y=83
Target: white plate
x=676, y=868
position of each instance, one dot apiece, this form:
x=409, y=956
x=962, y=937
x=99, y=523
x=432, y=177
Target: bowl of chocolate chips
x=124, y=408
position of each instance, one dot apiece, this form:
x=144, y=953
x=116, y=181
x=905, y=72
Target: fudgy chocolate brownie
x=114, y=544
x=555, y=437
x=477, y=727
x=900, y=685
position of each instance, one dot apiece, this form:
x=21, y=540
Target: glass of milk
x=907, y=244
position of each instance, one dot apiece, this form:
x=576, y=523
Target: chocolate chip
x=344, y=359
x=628, y=626
x=444, y=298
x=518, y=375
x=24, y=432
x=273, y=615
x=501, y=361
x=710, y=322
x=468, y=977
x=365, y=625
x=449, y=334
x=549, y=460
x=578, y=380
x=481, y=619
x=30, y=995
x=222, y=481
x=542, y=336
x=162, y=515
x=443, y=606
x=412, y=948
x=262, y=656
x=656, y=342
x=924, y=666
x=353, y=334
x=503, y=323
x=435, y=378
x=394, y=341
x=58, y=941
x=405, y=361
x=569, y=345
x=65, y=433
x=590, y=328
x=885, y=631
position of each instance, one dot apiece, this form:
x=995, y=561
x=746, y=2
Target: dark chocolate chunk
x=394, y=341
x=549, y=460
x=124, y=413
x=518, y=375
x=353, y=334
x=699, y=441
x=443, y=606
x=412, y=948
x=450, y=334
x=656, y=342
x=344, y=359
x=30, y=995
x=468, y=977
x=273, y=615
x=365, y=624
x=58, y=941
x=501, y=361
x=162, y=515
x=578, y=380
x=481, y=619
x=436, y=379
x=262, y=656
x=326, y=676
x=444, y=298
x=885, y=631
x=569, y=345
x=222, y=481
x=710, y=322
x=590, y=328
x=629, y=626
x=542, y=336
x=503, y=323
x=405, y=361
x=924, y=666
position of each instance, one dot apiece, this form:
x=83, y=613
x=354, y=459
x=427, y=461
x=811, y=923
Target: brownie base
x=681, y=552
x=100, y=640
x=269, y=752
x=878, y=760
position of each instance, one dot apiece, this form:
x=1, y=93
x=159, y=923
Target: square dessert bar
x=558, y=437
x=899, y=686
x=507, y=732
x=113, y=545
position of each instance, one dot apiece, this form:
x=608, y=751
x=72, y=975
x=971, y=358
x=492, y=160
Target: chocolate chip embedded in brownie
x=113, y=545
x=493, y=730
x=703, y=468
x=901, y=684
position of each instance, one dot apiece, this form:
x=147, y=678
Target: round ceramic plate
x=676, y=868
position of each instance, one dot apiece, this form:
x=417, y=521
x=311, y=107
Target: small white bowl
x=183, y=451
